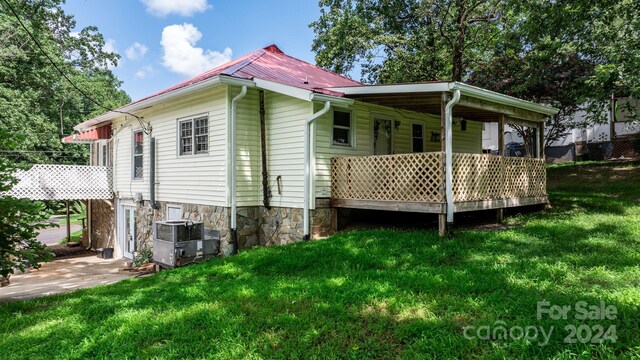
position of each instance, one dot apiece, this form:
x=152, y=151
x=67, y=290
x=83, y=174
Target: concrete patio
x=64, y=275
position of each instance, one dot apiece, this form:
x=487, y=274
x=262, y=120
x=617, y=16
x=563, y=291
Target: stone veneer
x=256, y=224
x=103, y=224
x=213, y=217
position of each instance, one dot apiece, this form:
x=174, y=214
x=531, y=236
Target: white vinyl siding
x=284, y=125
x=285, y=142
x=248, y=164
x=469, y=141
x=198, y=179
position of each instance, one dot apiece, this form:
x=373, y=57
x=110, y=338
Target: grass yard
x=374, y=294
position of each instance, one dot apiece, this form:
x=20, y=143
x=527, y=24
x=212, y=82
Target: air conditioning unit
x=177, y=243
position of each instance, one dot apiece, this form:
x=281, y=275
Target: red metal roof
x=101, y=133
x=270, y=63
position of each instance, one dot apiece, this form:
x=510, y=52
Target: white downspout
x=232, y=163
x=448, y=153
x=307, y=167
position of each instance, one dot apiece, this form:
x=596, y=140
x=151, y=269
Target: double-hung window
x=342, y=128
x=193, y=135
x=417, y=137
x=137, y=154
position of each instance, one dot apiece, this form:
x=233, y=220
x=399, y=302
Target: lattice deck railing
x=486, y=177
x=404, y=177
x=63, y=182
x=419, y=177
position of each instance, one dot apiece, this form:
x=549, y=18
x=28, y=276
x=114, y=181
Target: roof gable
x=270, y=63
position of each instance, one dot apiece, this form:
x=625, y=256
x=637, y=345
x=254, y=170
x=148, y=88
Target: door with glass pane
x=382, y=137
x=128, y=231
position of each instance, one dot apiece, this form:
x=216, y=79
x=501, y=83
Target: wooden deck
x=416, y=182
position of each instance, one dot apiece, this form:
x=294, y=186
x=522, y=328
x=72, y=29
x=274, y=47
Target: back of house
x=265, y=149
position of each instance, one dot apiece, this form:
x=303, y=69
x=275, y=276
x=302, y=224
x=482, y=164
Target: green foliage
x=569, y=54
x=143, y=256
x=404, y=40
x=76, y=236
x=35, y=100
x=370, y=294
x=20, y=219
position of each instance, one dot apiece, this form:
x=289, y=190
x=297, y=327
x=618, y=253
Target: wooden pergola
x=445, y=182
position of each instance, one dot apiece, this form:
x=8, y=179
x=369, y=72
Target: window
x=138, y=142
x=341, y=128
x=174, y=212
x=417, y=137
x=105, y=155
x=194, y=136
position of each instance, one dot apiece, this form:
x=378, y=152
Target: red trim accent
x=101, y=133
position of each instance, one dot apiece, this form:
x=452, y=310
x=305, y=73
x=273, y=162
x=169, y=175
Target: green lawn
x=75, y=236
x=372, y=294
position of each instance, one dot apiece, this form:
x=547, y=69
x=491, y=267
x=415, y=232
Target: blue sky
x=166, y=32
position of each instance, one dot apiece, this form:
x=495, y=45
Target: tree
x=19, y=221
x=571, y=54
x=405, y=40
x=36, y=101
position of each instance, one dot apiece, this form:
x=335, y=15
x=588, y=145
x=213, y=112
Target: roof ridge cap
x=323, y=69
x=241, y=65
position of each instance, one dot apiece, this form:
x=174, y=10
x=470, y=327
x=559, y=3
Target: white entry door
x=127, y=238
x=382, y=137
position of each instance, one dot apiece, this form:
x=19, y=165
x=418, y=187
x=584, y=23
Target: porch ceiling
x=475, y=103
x=428, y=103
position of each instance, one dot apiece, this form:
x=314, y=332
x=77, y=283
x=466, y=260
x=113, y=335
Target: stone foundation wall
x=103, y=225
x=256, y=225
x=213, y=217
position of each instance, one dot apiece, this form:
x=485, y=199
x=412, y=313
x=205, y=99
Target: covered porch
x=445, y=182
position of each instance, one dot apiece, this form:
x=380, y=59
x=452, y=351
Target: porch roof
x=475, y=103
x=88, y=136
x=62, y=182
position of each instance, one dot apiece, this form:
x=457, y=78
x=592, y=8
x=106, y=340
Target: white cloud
x=182, y=57
x=182, y=7
x=144, y=72
x=136, y=51
x=110, y=47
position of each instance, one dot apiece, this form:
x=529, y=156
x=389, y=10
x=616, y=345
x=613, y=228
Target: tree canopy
x=36, y=101
x=20, y=219
x=571, y=54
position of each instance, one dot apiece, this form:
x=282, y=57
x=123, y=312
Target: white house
x=266, y=148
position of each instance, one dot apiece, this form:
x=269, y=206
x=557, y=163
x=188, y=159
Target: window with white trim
x=417, y=137
x=342, y=135
x=193, y=135
x=137, y=154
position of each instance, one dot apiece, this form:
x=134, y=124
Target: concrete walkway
x=64, y=275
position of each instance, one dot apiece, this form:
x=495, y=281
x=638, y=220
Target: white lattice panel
x=63, y=182
x=404, y=177
x=420, y=177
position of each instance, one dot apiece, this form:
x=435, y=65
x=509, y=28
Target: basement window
x=137, y=154
x=342, y=128
x=193, y=135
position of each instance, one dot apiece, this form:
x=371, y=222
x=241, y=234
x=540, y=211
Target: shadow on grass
x=361, y=294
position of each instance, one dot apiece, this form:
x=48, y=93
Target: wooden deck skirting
x=415, y=182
